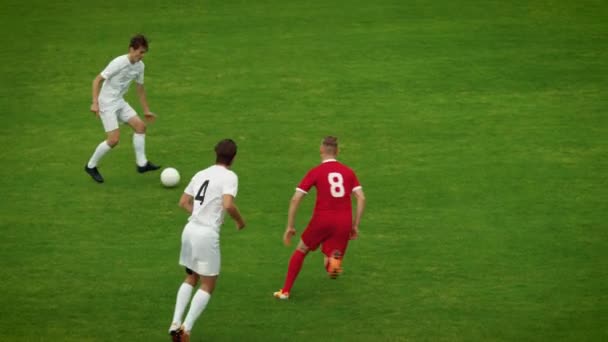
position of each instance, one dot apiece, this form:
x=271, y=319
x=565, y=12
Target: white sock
x=183, y=297
x=100, y=151
x=198, y=304
x=139, y=144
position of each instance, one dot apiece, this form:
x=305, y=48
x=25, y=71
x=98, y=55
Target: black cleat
x=92, y=171
x=148, y=167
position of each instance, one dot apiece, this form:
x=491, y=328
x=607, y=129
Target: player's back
x=208, y=188
x=335, y=183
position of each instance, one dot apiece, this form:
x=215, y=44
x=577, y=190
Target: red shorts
x=330, y=230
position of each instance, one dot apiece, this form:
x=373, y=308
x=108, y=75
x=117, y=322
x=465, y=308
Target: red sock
x=295, y=264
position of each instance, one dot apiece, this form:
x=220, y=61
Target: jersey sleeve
x=231, y=186
x=307, y=182
x=356, y=184
x=112, y=69
x=140, y=75
x=189, y=190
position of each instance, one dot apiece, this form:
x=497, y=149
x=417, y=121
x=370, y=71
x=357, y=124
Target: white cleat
x=281, y=295
x=174, y=327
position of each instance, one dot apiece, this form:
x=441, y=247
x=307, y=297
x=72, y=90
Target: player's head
x=329, y=146
x=138, y=47
x=225, y=150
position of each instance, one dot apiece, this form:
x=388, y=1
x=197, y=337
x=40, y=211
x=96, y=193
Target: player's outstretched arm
x=186, y=202
x=360, y=196
x=291, y=216
x=233, y=211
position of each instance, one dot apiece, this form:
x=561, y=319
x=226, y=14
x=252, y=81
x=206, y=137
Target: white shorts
x=112, y=114
x=200, y=249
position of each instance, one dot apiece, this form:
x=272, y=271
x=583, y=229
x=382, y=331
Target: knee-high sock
x=183, y=297
x=100, y=151
x=295, y=265
x=198, y=304
x=139, y=144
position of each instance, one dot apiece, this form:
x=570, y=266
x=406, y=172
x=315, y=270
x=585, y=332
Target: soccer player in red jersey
x=331, y=225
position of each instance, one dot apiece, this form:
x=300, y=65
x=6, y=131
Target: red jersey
x=334, y=182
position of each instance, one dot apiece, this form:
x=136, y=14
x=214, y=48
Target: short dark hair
x=139, y=40
x=331, y=144
x=225, y=150
x=330, y=141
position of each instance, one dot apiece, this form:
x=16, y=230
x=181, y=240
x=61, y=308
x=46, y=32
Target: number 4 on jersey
x=203, y=190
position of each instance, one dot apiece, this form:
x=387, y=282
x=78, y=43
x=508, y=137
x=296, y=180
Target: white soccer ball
x=169, y=177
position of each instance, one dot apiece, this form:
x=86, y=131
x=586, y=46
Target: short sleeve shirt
x=334, y=182
x=208, y=188
x=118, y=76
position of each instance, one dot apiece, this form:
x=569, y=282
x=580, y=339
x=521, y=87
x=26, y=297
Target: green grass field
x=479, y=130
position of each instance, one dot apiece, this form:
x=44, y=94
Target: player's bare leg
x=112, y=138
x=139, y=145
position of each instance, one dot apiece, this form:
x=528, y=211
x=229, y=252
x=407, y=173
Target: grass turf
x=477, y=128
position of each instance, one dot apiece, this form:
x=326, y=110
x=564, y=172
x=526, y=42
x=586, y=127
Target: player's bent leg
x=302, y=247
x=113, y=137
x=333, y=261
x=183, y=298
x=104, y=147
x=191, y=277
x=295, y=265
x=334, y=249
x=139, y=145
x=208, y=283
x=138, y=125
x=334, y=264
x=334, y=254
x=198, y=304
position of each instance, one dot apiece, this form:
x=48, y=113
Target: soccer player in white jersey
x=208, y=196
x=109, y=105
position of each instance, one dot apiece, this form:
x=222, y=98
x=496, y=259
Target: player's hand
x=95, y=109
x=150, y=117
x=240, y=225
x=354, y=233
x=289, y=233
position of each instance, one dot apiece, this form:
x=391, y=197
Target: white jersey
x=208, y=188
x=118, y=76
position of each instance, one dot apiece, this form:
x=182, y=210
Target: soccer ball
x=169, y=177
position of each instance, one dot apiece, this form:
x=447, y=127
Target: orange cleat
x=334, y=269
